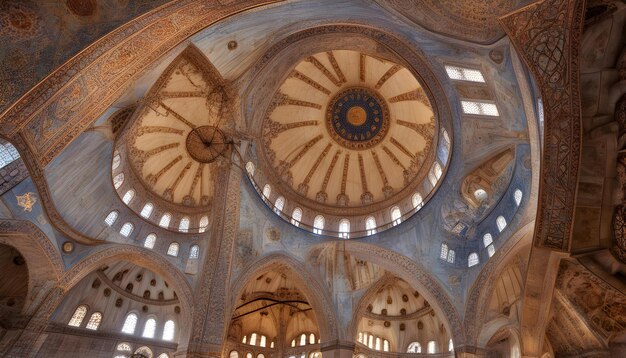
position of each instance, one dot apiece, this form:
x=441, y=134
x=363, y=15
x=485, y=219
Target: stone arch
x=418, y=277
x=43, y=261
x=311, y=285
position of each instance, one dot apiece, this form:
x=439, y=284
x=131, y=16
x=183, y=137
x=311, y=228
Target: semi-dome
x=348, y=130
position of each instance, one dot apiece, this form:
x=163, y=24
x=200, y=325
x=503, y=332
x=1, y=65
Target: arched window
x=163, y=355
x=248, y=355
x=272, y=344
x=262, y=341
x=78, y=316
x=279, y=204
x=360, y=339
x=165, y=220
x=194, y=252
x=370, y=341
x=147, y=210
x=94, y=321
x=233, y=354
x=204, y=223
x=296, y=216
x=253, y=339
x=435, y=173
x=267, y=190
x=446, y=137
x=183, y=226
x=311, y=338
x=472, y=259
x=116, y=161
x=126, y=229
x=244, y=340
x=480, y=195
x=517, y=196
x=487, y=239
x=144, y=351
x=110, y=219
x=414, y=347
x=344, y=228
x=293, y=343
x=377, y=347
x=130, y=323
x=118, y=180
x=501, y=222
x=250, y=168
x=149, y=328
x=8, y=154
x=437, y=170
x=124, y=347
x=396, y=215
x=172, y=250
x=168, y=331
x=451, y=256
x=432, y=347
x=260, y=355
x=370, y=225
x=150, y=241
x=128, y=196
x=491, y=250
x=444, y=251
x=386, y=345
x=303, y=339
x=450, y=346
x=318, y=225
x=417, y=200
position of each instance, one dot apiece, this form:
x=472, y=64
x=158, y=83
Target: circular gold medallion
x=356, y=115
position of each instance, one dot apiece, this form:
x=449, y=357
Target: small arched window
x=194, y=252
x=78, y=316
x=267, y=190
x=279, y=204
x=303, y=339
x=144, y=351
x=296, y=216
x=491, y=250
x=414, y=347
x=501, y=222
x=8, y=154
x=311, y=338
x=370, y=225
x=128, y=196
x=417, y=200
x=244, y=340
x=233, y=354
x=260, y=355
x=472, y=259
x=117, y=159
x=129, y=323
x=253, y=339
x=126, y=229
x=147, y=210
x=110, y=219
x=168, y=330
x=249, y=355
x=165, y=220
x=124, y=347
x=446, y=137
x=518, y=197
x=172, y=250
x=163, y=355
x=487, y=239
x=480, y=195
x=370, y=342
x=318, y=225
x=450, y=346
x=432, y=347
x=94, y=321
x=377, y=347
x=444, y=251
x=451, y=256
x=396, y=215
x=250, y=168
x=118, y=180
x=386, y=345
x=204, y=223
x=344, y=228
x=183, y=226
x=263, y=341
x=150, y=241
x=149, y=328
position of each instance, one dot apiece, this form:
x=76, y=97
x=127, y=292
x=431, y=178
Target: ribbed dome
x=346, y=129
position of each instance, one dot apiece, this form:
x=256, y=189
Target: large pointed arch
x=312, y=287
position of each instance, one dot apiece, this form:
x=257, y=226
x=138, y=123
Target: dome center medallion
x=357, y=118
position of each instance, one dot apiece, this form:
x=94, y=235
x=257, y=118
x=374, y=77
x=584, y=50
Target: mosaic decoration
x=26, y=201
x=357, y=118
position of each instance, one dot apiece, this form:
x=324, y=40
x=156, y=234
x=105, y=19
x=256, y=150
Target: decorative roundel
x=206, y=143
x=357, y=118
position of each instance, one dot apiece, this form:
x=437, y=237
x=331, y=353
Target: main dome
x=346, y=129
